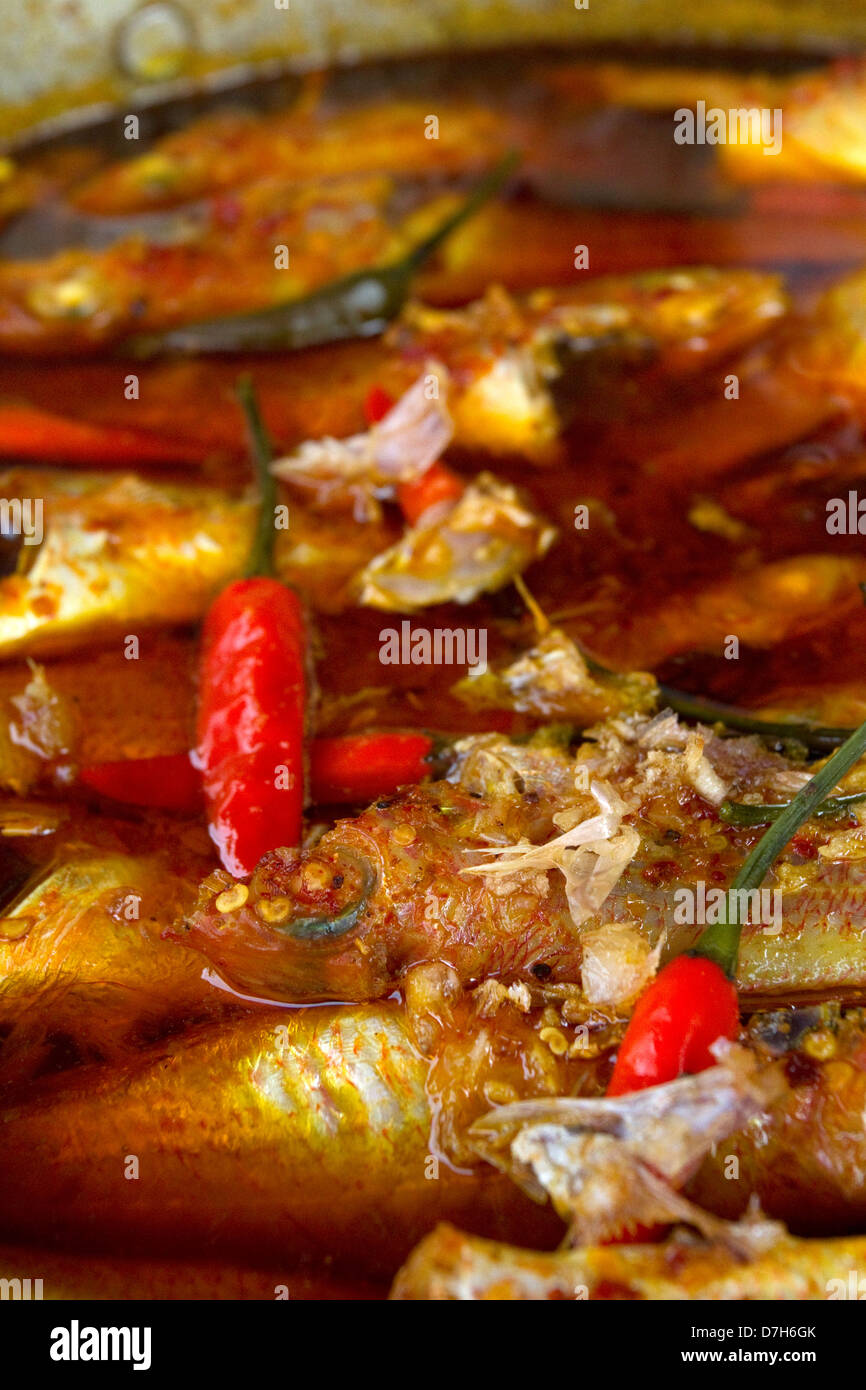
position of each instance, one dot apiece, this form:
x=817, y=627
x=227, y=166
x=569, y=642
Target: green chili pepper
x=261, y=558
x=815, y=738
x=359, y=305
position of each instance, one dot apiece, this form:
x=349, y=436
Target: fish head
x=296, y=932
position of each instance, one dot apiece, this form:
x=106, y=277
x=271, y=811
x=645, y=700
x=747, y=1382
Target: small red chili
x=30, y=433
x=344, y=770
x=689, y=1005
x=360, y=767
x=377, y=403
x=252, y=693
x=436, y=484
x=168, y=782
x=252, y=697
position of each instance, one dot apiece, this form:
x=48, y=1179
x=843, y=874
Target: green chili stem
x=740, y=813
x=261, y=557
x=721, y=941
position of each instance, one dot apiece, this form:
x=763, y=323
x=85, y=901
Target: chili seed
x=274, y=909
x=819, y=1044
x=555, y=1040
x=316, y=876
x=232, y=898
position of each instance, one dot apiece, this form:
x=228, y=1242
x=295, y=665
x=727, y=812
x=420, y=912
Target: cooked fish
x=449, y=1265
x=801, y=1159
x=124, y=1277
x=403, y=1080
x=272, y=243
x=763, y=604
x=804, y=1160
x=552, y=680
x=823, y=115
x=506, y=868
x=276, y=1136
x=118, y=554
x=457, y=551
x=505, y=354
x=82, y=968
x=229, y=149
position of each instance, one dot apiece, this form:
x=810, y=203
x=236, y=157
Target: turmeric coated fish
x=233, y=148
x=273, y=1134
x=451, y=1266
x=804, y=1162
x=82, y=968
x=606, y=1166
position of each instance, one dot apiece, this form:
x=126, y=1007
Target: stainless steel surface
x=61, y=54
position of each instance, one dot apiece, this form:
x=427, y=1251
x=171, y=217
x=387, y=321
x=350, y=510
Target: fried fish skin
x=450, y=1266
x=118, y=553
x=280, y=1135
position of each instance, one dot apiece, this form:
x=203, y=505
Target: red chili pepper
x=344, y=770
x=359, y=767
x=638, y=1235
x=437, y=484
x=168, y=783
x=27, y=432
x=377, y=403
x=252, y=697
x=689, y=1005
